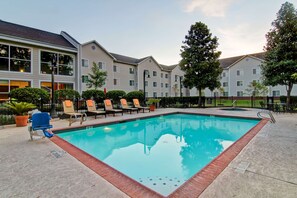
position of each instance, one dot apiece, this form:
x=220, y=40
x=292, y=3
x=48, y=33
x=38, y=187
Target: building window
x=225, y=84
x=146, y=83
x=239, y=83
x=238, y=72
x=224, y=74
x=154, y=84
x=131, y=70
x=154, y=73
x=13, y=58
x=114, y=68
x=57, y=85
x=161, y=75
x=161, y=84
x=166, y=94
x=64, y=67
x=166, y=85
x=240, y=93
x=102, y=65
x=85, y=63
x=276, y=93
x=85, y=79
x=166, y=75
x=162, y=94
x=146, y=94
x=131, y=82
x=7, y=85
x=225, y=94
x=254, y=71
x=115, y=81
x=155, y=94
x=176, y=78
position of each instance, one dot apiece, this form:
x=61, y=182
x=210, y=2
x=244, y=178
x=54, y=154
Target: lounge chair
x=125, y=106
x=137, y=105
x=40, y=125
x=91, y=105
x=69, y=110
x=109, y=108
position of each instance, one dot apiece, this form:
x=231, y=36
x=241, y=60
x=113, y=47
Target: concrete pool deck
x=266, y=167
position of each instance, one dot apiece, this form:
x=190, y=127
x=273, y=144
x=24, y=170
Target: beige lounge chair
x=74, y=116
x=125, y=106
x=137, y=105
x=91, y=105
x=110, y=109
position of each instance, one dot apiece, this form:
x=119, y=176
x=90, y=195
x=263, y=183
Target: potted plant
x=152, y=103
x=21, y=111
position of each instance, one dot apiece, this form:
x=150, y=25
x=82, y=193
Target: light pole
x=145, y=73
x=53, y=106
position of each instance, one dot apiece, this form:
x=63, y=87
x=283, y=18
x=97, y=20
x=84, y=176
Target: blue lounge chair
x=40, y=121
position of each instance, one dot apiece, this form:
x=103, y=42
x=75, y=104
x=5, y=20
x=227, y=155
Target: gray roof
x=227, y=62
x=19, y=31
x=127, y=59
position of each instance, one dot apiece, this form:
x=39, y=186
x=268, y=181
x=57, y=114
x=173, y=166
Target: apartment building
x=239, y=72
x=26, y=58
x=126, y=73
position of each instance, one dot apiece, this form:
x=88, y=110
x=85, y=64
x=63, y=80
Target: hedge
x=92, y=93
x=115, y=95
x=66, y=94
x=31, y=95
x=283, y=99
x=135, y=94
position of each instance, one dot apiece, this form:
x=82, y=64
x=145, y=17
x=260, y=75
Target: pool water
x=161, y=152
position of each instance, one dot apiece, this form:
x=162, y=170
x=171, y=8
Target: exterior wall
x=123, y=77
x=176, y=74
x=246, y=67
x=35, y=76
x=150, y=65
x=94, y=53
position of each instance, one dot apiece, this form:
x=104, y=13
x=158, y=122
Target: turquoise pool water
x=161, y=152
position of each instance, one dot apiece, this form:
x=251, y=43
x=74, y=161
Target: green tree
x=200, y=59
x=256, y=89
x=281, y=56
x=97, y=77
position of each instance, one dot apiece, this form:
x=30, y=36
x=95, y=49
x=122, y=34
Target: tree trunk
x=200, y=99
x=290, y=87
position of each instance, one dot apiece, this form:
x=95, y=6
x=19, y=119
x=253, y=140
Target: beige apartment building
x=26, y=56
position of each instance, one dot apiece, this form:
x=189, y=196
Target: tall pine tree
x=281, y=57
x=200, y=59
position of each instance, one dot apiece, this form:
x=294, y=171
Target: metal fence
x=270, y=103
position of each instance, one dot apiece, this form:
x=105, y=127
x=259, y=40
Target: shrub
x=283, y=99
x=66, y=94
x=30, y=95
x=135, y=94
x=93, y=93
x=115, y=95
x=7, y=119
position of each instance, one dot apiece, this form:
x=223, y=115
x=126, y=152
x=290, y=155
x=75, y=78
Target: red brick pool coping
x=191, y=188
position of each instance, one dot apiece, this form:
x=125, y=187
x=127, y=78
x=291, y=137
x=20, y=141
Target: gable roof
x=228, y=62
x=126, y=59
x=32, y=34
x=94, y=41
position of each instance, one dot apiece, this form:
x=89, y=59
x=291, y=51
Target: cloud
x=216, y=8
x=241, y=39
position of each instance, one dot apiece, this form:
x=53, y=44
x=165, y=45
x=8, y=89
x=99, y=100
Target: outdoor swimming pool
x=161, y=152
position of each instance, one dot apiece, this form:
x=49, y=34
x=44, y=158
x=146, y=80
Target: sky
x=141, y=28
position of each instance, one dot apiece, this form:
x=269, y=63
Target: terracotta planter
x=21, y=121
x=152, y=107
